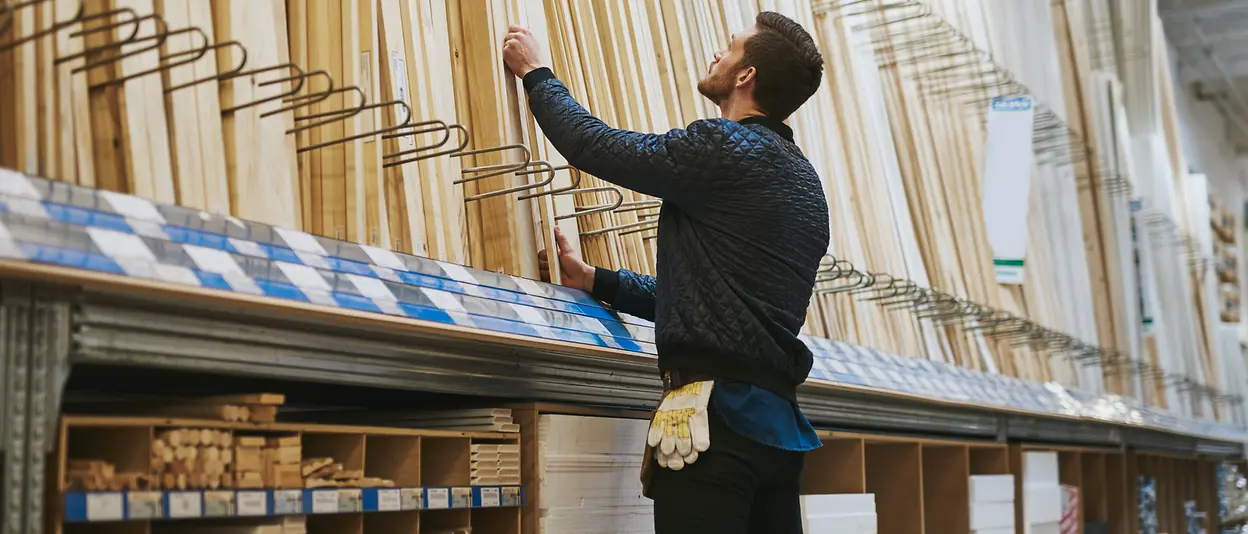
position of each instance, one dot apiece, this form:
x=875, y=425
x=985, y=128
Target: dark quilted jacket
x=743, y=226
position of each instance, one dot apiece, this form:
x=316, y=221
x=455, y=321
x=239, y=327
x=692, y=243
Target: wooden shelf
x=430, y=470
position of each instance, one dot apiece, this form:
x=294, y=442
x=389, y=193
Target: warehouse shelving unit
x=65, y=304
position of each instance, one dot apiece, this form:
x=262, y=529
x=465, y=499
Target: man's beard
x=716, y=87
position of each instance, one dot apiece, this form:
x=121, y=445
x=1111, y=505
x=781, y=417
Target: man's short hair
x=788, y=64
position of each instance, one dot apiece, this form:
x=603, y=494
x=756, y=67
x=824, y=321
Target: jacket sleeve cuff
x=606, y=284
x=536, y=76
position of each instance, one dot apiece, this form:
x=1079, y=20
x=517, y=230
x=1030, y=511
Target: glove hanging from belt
x=680, y=428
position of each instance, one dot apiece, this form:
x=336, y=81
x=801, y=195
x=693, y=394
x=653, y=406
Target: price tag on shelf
x=413, y=498
x=325, y=501
x=490, y=498
x=105, y=507
x=510, y=497
x=144, y=504
x=439, y=498
x=288, y=502
x=461, y=497
x=253, y=503
x=350, y=500
x=218, y=503
x=185, y=504
x=389, y=500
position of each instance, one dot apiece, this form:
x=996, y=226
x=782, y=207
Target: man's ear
x=746, y=76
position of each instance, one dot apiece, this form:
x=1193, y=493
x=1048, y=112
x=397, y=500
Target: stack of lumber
x=470, y=420
x=193, y=458
x=327, y=473
x=495, y=463
x=588, y=475
x=394, y=123
x=252, y=408
x=268, y=462
x=99, y=475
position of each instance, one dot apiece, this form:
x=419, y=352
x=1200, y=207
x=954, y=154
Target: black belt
x=677, y=378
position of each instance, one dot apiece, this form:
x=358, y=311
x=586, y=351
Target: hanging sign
x=1007, y=182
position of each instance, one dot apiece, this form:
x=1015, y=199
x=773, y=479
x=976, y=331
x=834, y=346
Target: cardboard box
x=992, y=515
x=992, y=488
x=1045, y=528
x=1040, y=467
x=843, y=504
x=1043, y=503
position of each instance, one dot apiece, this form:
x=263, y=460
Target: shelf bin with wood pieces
x=331, y=478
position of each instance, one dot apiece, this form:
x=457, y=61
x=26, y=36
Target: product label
x=490, y=498
x=144, y=504
x=105, y=506
x=350, y=500
x=1007, y=183
x=253, y=503
x=389, y=500
x=413, y=498
x=218, y=503
x=439, y=498
x=325, y=501
x=287, y=502
x=461, y=497
x=183, y=504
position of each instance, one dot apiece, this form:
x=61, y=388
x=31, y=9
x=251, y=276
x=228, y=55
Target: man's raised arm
x=673, y=166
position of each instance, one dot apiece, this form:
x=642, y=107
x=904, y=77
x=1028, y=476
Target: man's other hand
x=576, y=273
x=521, y=52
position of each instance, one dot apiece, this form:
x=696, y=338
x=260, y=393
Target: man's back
x=737, y=262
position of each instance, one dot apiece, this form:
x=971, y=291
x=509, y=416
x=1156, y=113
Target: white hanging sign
x=1007, y=183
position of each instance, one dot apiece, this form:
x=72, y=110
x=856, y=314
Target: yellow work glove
x=680, y=428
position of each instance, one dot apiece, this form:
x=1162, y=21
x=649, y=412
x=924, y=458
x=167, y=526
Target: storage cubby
x=993, y=460
x=446, y=522
x=345, y=448
x=495, y=521
x=1118, y=501
x=127, y=448
x=895, y=476
x=445, y=462
x=393, y=523
x=1094, y=488
x=395, y=458
x=336, y=524
x=946, y=489
x=837, y=467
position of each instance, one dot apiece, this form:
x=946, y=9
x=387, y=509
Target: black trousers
x=738, y=486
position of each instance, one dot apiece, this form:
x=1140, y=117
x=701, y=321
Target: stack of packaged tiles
x=495, y=464
x=839, y=514
x=1070, y=510
x=1042, y=493
x=588, y=468
x=1149, y=523
x=992, y=504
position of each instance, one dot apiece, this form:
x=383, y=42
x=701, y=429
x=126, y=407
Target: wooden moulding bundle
x=424, y=208
x=260, y=157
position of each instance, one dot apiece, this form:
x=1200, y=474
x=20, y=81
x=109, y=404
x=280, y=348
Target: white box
x=842, y=524
x=1006, y=530
x=992, y=488
x=1045, y=528
x=1043, y=503
x=840, y=504
x=1040, y=466
x=992, y=515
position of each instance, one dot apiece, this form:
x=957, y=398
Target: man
x=743, y=226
